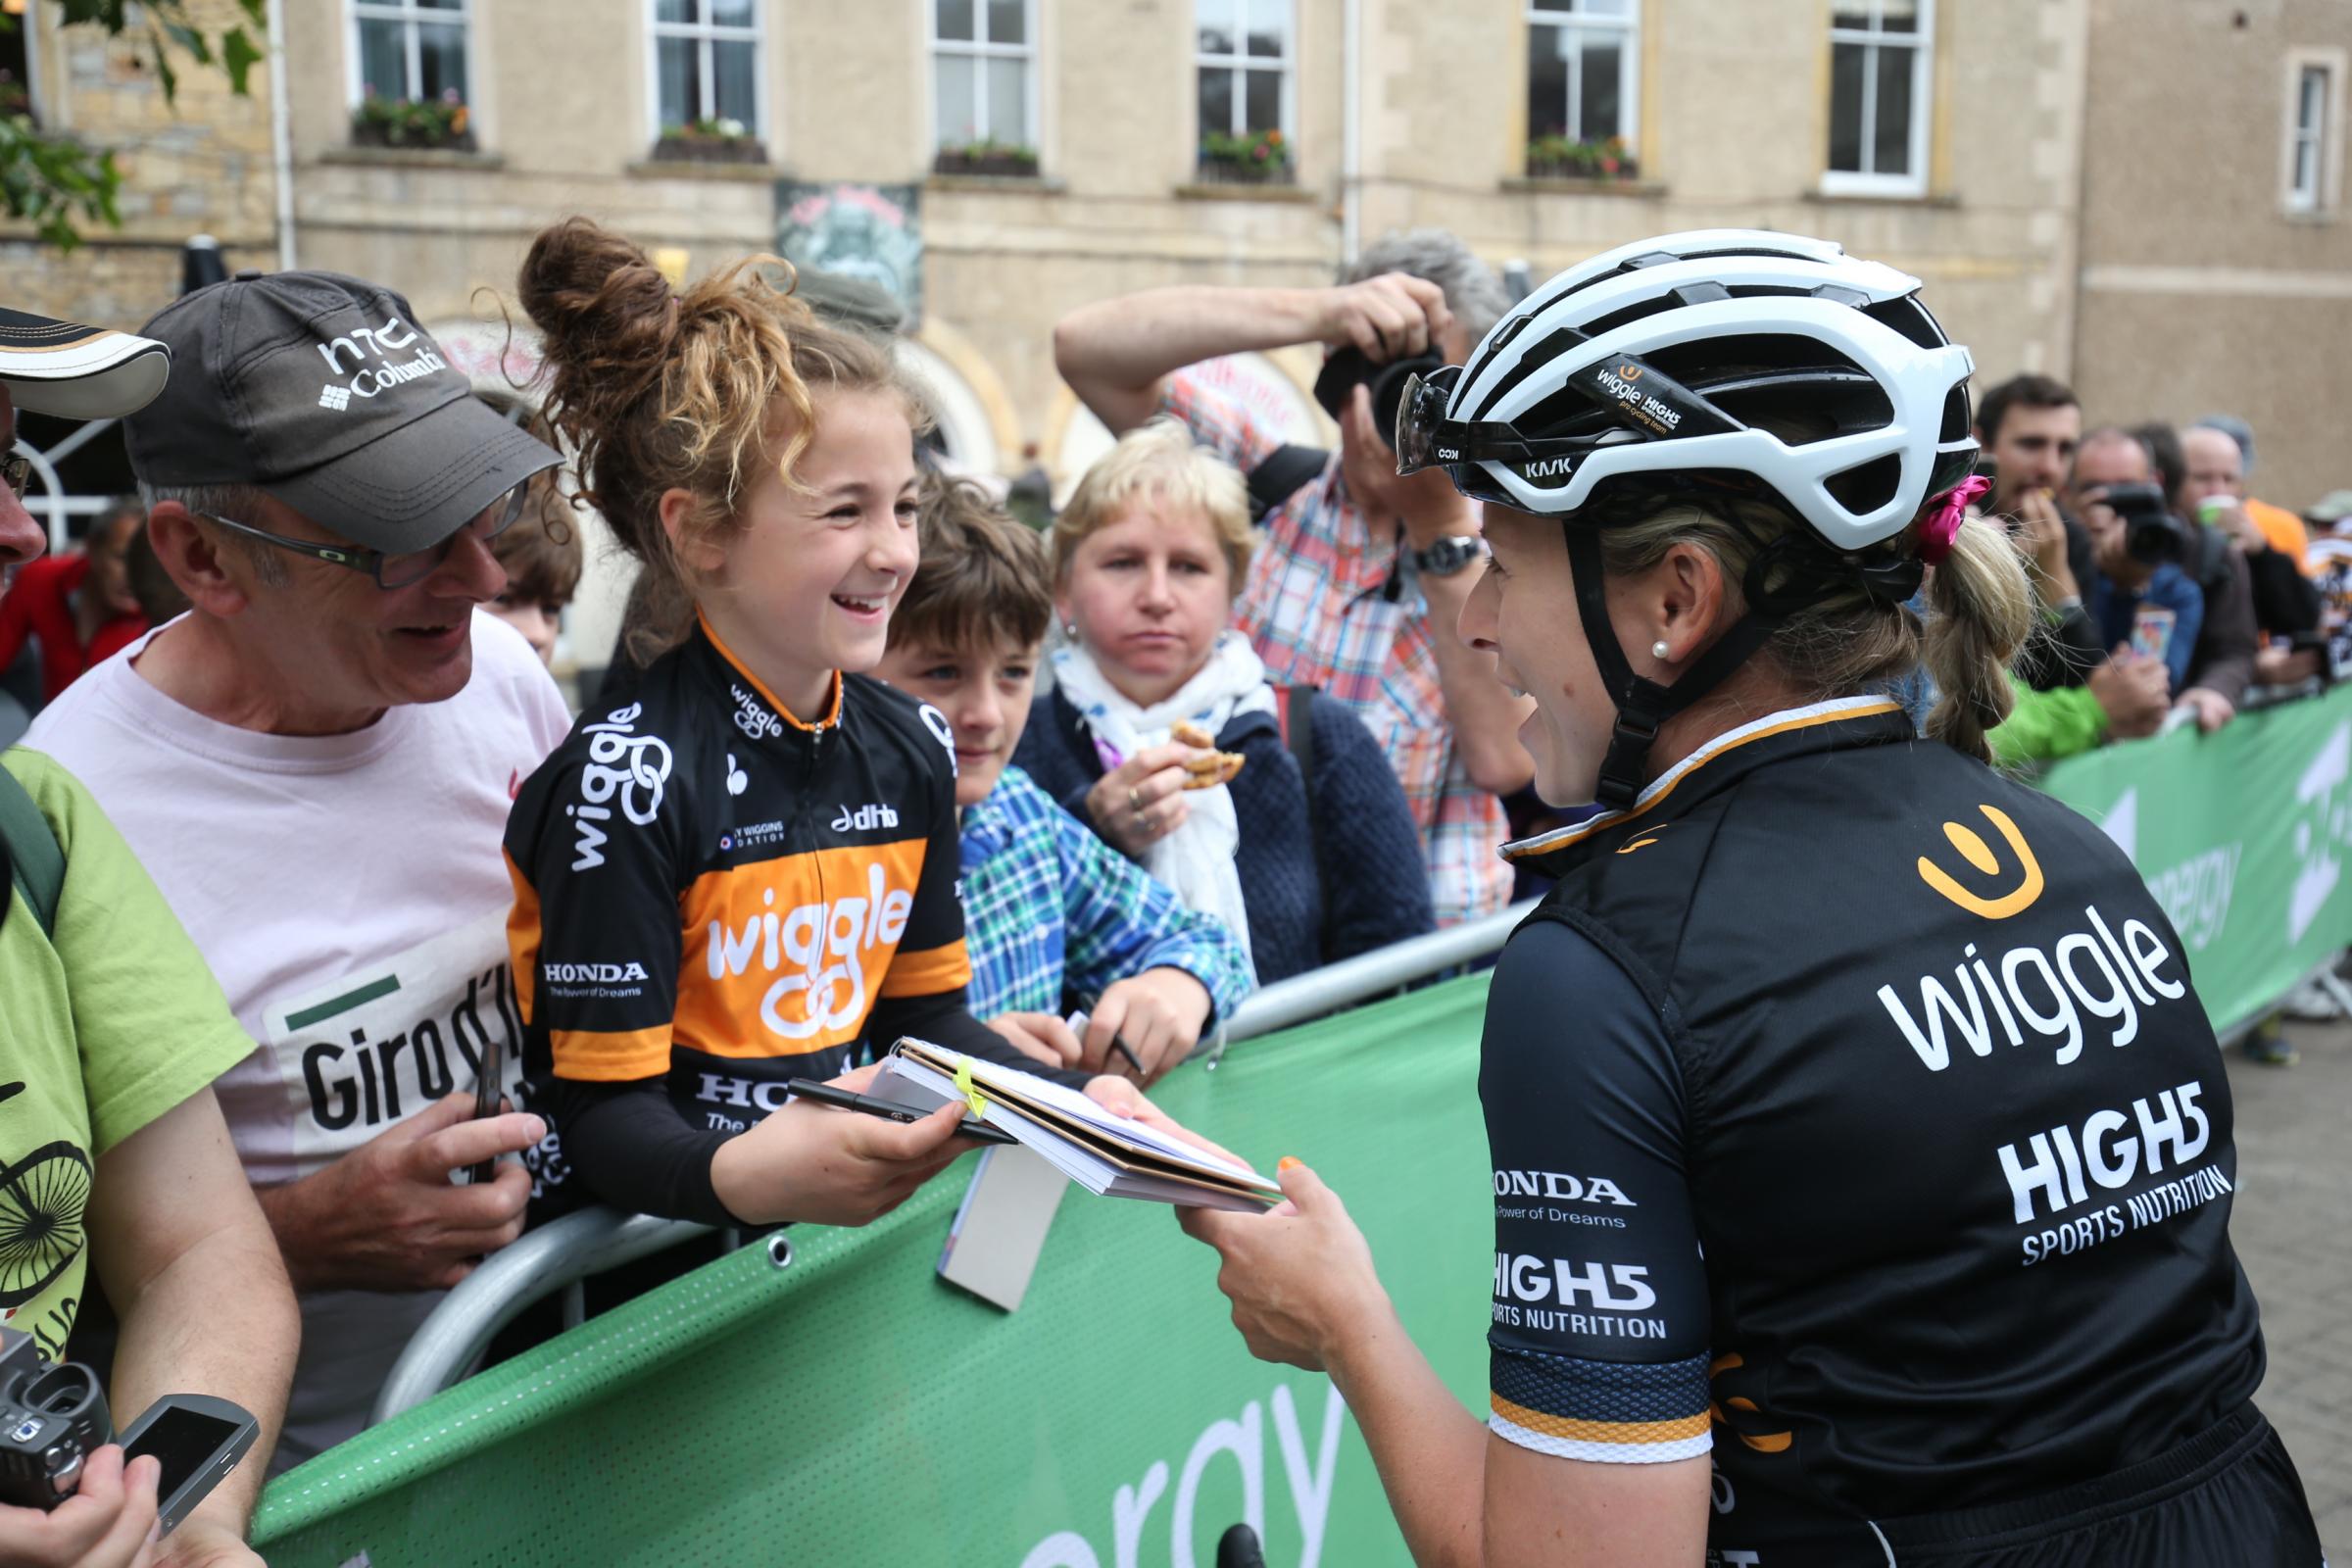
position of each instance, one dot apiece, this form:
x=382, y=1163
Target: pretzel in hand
x=1211, y=768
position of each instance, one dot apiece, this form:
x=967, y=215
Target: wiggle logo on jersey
x=623, y=762
x=1979, y=855
x=796, y=944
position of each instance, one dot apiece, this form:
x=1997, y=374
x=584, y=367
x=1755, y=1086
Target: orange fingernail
x=1288, y=1163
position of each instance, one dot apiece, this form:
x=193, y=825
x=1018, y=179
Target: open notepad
x=1101, y=1151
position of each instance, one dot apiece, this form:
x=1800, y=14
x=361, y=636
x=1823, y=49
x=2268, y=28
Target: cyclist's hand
x=827, y=1166
x=1390, y=316
x=1141, y=802
x=108, y=1522
x=1298, y=1276
x=386, y=1216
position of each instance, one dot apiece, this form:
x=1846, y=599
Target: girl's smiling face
x=806, y=583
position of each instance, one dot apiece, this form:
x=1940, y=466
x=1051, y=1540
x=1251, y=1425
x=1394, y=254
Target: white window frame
x=968, y=49
x=410, y=14
x=1286, y=63
x=2326, y=190
x=1571, y=16
x=1922, y=46
x=706, y=64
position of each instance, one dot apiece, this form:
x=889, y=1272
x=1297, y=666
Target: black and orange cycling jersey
x=711, y=897
x=1853, y=1117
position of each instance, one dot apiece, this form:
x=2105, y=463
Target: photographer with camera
x=1363, y=574
x=2203, y=632
x=114, y=1155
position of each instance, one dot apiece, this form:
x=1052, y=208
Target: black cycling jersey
x=713, y=896
x=1889, y=1153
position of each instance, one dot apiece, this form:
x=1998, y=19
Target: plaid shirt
x=1048, y=907
x=1332, y=603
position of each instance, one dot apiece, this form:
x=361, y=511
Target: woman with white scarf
x=1148, y=555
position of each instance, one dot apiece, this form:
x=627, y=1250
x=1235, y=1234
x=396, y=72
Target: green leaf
x=238, y=57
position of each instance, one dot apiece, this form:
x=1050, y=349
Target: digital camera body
x=52, y=1418
x=1349, y=368
x=2151, y=532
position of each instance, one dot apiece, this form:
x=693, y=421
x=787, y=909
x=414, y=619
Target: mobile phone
x=486, y=1092
x=198, y=1440
x=2152, y=631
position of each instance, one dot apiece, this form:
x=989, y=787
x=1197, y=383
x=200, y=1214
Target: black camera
x=1349, y=368
x=2151, y=532
x=51, y=1419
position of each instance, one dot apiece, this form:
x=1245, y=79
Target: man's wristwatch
x=1449, y=554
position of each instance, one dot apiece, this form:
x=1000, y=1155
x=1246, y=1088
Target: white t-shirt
x=350, y=894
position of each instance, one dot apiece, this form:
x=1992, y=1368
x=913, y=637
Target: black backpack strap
x=1295, y=715
x=1280, y=475
x=37, y=864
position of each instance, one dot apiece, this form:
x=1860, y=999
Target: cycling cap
x=1666, y=367
x=1720, y=363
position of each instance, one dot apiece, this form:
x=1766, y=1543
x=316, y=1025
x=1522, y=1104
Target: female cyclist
x=1888, y=1155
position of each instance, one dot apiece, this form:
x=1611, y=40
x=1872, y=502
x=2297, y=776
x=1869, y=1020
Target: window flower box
x=709, y=142
x=1262, y=158
x=1565, y=158
x=995, y=159
x=429, y=122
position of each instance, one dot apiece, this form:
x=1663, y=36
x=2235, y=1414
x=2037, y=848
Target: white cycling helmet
x=1727, y=363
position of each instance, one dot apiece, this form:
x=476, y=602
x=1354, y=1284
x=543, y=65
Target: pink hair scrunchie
x=1941, y=527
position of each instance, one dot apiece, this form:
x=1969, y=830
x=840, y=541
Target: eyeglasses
x=19, y=474
x=398, y=570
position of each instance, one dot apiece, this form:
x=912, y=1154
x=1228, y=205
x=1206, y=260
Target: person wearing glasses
x=316, y=764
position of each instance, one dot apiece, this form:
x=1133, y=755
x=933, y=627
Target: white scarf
x=1197, y=861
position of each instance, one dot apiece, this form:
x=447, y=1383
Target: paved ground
x=2293, y=1225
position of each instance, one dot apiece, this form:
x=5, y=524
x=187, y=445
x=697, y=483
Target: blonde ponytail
x=1981, y=611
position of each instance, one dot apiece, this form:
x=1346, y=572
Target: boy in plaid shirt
x=1053, y=915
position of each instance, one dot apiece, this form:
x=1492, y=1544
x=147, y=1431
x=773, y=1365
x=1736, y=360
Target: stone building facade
x=2088, y=187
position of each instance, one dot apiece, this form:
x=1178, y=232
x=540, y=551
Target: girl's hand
x=1298, y=1275
x=1140, y=802
x=826, y=1166
x=1159, y=1013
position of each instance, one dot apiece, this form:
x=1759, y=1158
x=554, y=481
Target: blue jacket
x=1369, y=855
x=2112, y=606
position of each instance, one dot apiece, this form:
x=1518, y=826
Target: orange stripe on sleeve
x=588, y=1055
x=1627, y=1432
x=928, y=972
x=523, y=933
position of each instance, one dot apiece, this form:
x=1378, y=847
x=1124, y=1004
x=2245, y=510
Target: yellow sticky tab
x=970, y=1090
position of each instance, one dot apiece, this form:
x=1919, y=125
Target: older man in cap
x=315, y=763
x=114, y=1164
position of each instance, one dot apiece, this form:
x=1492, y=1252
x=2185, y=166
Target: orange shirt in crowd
x=2283, y=530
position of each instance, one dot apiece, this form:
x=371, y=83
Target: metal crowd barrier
x=557, y=1256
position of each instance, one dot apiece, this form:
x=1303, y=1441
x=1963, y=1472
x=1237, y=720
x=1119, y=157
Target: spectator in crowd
x=541, y=556
x=763, y=464
x=114, y=1144
x=1296, y=852
x=1054, y=918
x=1363, y=573
x=2287, y=607
x=314, y=763
x=78, y=608
x=2209, y=646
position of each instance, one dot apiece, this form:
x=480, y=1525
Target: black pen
x=1116, y=1044
x=823, y=1094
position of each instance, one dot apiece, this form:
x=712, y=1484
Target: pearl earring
x=1659, y=648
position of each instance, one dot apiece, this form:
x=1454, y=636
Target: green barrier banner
x=851, y=1408
x=2243, y=835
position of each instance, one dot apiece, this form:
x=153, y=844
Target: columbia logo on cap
x=331, y=396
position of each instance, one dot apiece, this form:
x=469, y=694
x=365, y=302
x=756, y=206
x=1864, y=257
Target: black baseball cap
x=324, y=391
x=76, y=372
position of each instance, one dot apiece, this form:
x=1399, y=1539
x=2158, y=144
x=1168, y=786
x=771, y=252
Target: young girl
x=745, y=873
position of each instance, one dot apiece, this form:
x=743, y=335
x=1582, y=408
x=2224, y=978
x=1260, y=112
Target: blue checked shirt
x=1047, y=907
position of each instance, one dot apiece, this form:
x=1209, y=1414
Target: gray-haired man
x=315, y=763
x=1364, y=573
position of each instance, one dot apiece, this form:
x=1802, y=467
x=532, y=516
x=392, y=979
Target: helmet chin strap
x=1643, y=706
